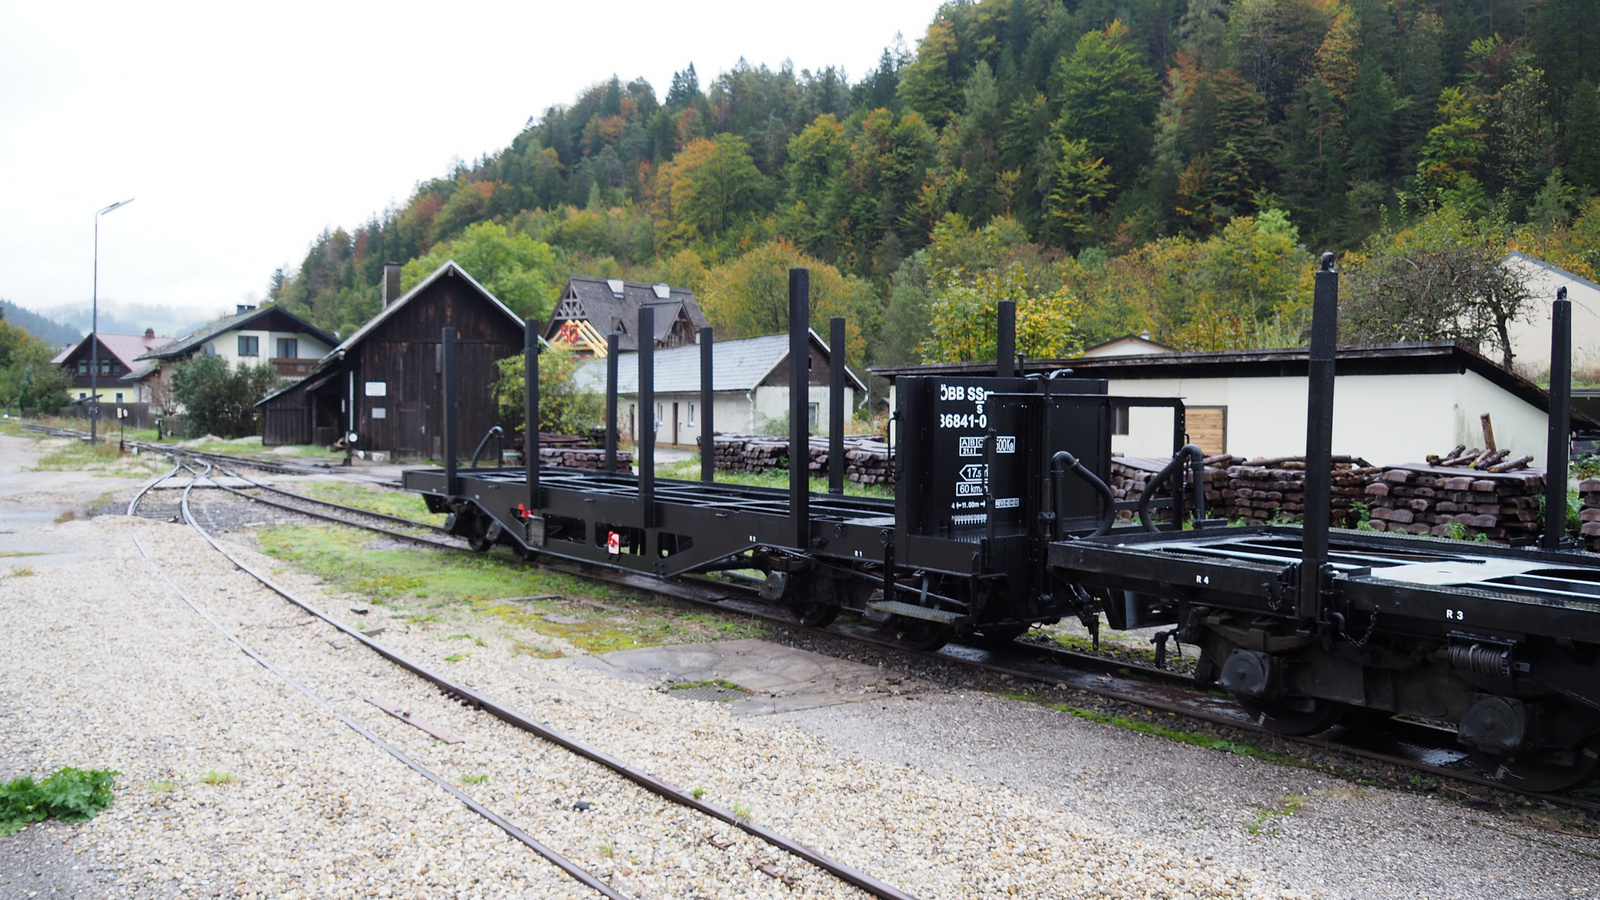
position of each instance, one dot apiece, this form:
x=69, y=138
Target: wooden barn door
x=410, y=428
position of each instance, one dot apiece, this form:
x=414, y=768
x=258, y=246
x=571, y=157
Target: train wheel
x=814, y=614
x=995, y=637
x=921, y=634
x=1542, y=773
x=479, y=543
x=1296, y=720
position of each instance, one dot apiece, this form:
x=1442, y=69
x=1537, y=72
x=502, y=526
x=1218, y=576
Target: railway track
x=1417, y=748
x=469, y=697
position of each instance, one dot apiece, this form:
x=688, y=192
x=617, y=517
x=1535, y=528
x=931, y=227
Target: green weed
x=474, y=779
x=219, y=778
x=1263, y=821
x=70, y=795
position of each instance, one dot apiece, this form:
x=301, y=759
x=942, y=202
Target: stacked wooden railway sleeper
x=1130, y=475
x=1257, y=491
x=582, y=458
x=867, y=459
x=1589, y=493
x=568, y=451
x=1273, y=490
x=1460, y=494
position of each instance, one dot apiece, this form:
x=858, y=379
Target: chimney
x=389, y=290
x=149, y=334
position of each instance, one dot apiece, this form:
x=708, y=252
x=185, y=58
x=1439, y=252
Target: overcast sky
x=244, y=130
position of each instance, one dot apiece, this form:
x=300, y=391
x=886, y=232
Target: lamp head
x=115, y=205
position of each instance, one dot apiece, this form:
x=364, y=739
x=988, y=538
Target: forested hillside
x=1113, y=165
x=50, y=331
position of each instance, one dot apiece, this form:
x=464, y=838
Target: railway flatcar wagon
x=1002, y=519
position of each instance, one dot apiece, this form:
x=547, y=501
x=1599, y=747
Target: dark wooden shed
x=385, y=382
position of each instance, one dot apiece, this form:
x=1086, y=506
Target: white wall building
x=750, y=388
x=1393, y=403
x=1530, y=335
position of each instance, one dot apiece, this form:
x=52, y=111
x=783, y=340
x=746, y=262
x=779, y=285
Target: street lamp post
x=94, y=327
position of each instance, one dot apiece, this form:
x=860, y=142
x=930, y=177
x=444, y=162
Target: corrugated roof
x=238, y=322
x=737, y=365
x=125, y=347
x=450, y=267
x=1416, y=357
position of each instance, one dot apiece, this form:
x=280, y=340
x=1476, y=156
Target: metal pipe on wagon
x=708, y=446
x=611, y=401
x=1005, y=339
x=530, y=443
x=836, y=405
x=1319, y=436
x=1560, y=429
x=645, y=443
x=799, y=387
x=447, y=341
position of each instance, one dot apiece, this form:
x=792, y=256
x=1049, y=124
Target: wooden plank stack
x=1455, y=501
x=1273, y=490
x=867, y=459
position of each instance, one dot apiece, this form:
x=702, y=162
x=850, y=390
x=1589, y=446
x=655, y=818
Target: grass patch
x=70, y=795
x=461, y=589
x=522, y=647
x=22, y=572
x=162, y=786
x=714, y=682
x=373, y=498
x=219, y=778
x=457, y=657
x=741, y=811
x=1207, y=741
x=101, y=457
x=13, y=554
x=474, y=779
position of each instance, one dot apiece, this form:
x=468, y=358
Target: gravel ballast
x=234, y=784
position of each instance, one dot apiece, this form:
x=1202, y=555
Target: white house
x=1530, y=335
x=1128, y=345
x=749, y=382
x=1393, y=403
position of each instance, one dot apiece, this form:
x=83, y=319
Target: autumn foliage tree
x=750, y=297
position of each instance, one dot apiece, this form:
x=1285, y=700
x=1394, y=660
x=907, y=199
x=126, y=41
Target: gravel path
x=235, y=785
